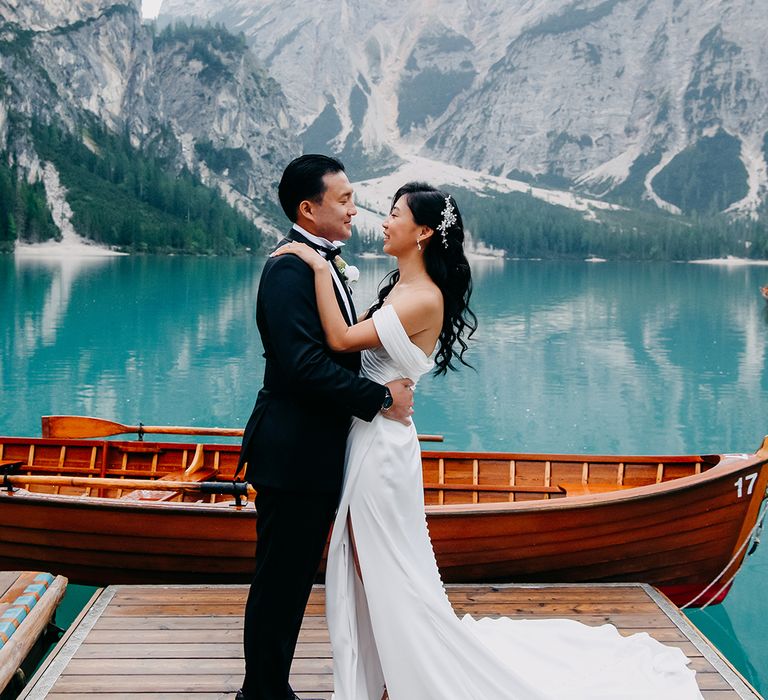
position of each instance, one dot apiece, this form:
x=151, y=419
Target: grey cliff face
x=369, y=76
x=229, y=116
x=587, y=93
x=96, y=65
x=676, y=72
x=46, y=15
x=98, y=61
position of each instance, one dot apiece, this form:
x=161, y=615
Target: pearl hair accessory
x=448, y=220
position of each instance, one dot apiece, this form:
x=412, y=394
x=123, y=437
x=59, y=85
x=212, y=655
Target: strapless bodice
x=397, y=356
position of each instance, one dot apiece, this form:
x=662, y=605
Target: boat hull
x=677, y=535
x=678, y=539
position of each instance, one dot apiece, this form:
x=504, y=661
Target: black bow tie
x=331, y=253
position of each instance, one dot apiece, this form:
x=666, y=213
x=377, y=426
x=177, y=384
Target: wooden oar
x=76, y=427
x=223, y=487
x=87, y=427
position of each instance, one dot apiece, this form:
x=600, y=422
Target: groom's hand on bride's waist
x=401, y=410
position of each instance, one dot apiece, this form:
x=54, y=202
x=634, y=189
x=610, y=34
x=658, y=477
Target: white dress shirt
x=329, y=245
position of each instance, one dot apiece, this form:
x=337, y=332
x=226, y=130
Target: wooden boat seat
x=196, y=471
x=552, y=491
x=144, y=495
x=589, y=489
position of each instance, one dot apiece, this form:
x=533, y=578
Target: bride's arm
x=340, y=337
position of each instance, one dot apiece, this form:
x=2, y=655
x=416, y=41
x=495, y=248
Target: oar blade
x=73, y=427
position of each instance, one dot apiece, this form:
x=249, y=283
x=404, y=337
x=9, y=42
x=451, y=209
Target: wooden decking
x=185, y=641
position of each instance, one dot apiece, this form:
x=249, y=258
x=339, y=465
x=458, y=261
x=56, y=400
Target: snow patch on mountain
x=650, y=192
x=71, y=244
x=375, y=194
x=611, y=172
x=757, y=177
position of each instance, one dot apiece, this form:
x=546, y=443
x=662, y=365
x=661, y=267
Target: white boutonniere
x=349, y=272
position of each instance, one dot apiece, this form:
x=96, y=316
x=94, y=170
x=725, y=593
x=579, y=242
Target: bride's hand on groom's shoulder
x=301, y=250
x=402, y=401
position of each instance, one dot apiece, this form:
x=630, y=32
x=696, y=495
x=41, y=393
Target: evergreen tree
x=134, y=200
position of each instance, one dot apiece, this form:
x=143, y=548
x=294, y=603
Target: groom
x=295, y=439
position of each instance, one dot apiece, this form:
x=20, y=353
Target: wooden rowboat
x=28, y=602
x=117, y=511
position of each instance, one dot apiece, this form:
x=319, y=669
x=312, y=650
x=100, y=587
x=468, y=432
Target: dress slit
x=353, y=546
x=368, y=675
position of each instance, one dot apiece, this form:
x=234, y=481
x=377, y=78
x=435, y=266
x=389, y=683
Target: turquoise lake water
x=569, y=357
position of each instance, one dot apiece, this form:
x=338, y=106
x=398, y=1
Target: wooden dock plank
x=185, y=641
x=185, y=650
x=159, y=696
x=168, y=695
x=639, y=622
x=459, y=595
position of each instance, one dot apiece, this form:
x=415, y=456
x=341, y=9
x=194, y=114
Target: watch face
x=388, y=401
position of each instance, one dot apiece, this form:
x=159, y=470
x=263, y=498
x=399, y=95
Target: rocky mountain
x=367, y=79
x=663, y=101
x=628, y=93
x=199, y=99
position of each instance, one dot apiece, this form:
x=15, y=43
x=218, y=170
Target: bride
x=393, y=631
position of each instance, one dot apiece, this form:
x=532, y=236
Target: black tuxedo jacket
x=296, y=436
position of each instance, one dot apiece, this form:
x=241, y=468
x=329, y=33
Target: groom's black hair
x=303, y=179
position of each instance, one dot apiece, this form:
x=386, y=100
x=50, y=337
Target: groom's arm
x=289, y=310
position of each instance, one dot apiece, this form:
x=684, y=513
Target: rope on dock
x=756, y=529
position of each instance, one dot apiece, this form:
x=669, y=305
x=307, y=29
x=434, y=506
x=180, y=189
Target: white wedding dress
x=398, y=628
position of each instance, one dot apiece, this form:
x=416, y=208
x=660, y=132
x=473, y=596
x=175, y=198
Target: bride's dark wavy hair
x=447, y=265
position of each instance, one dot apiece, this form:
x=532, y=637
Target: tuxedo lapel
x=294, y=235
x=350, y=321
